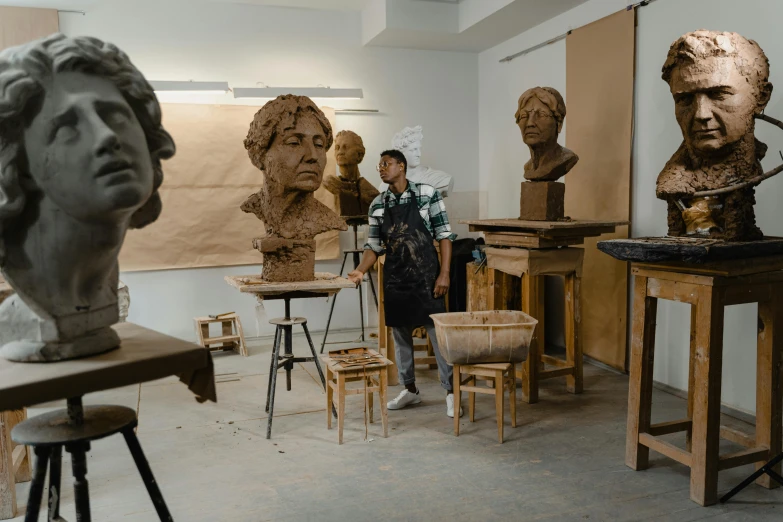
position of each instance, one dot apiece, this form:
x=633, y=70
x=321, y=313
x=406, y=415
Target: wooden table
x=542, y=248
x=144, y=356
x=708, y=288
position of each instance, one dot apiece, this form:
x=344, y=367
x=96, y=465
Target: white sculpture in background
x=408, y=141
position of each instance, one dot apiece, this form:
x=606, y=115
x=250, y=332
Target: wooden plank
x=221, y=339
x=645, y=309
x=665, y=448
x=746, y=456
x=324, y=281
x=769, y=388
x=7, y=476
x=19, y=455
x=533, y=305
x=573, y=333
x=727, y=268
x=490, y=289
x=665, y=428
x=554, y=361
x=706, y=396
x=525, y=240
x=689, y=250
x=518, y=224
x=552, y=374
x=737, y=437
x=672, y=290
x=653, y=271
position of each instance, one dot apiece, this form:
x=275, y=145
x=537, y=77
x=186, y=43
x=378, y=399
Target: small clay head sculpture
x=540, y=115
x=348, y=148
x=81, y=144
x=288, y=140
x=720, y=83
x=408, y=141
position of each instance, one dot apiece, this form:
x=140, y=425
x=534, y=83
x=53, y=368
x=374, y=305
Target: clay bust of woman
x=81, y=145
x=540, y=114
x=288, y=140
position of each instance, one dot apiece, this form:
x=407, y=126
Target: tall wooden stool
x=532, y=265
x=504, y=378
x=232, y=338
x=708, y=288
x=15, y=463
x=352, y=365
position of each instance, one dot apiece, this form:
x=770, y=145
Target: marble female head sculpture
x=408, y=141
x=540, y=115
x=287, y=140
x=720, y=83
x=81, y=144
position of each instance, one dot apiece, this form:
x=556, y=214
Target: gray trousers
x=403, y=348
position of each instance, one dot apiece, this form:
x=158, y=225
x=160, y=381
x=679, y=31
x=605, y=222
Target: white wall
x=502, y=153
x=245, y=44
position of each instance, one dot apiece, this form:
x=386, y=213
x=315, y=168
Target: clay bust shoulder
x=303, y=221
x=552, y=166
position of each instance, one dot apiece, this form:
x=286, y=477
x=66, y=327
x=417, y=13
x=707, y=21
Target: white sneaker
x=405, y=398
x=450, y=406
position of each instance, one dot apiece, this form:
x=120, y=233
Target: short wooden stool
x=344, y=366
x=232, y=338
x=504, y=377
x=534, y=265
x=708, y=288
x=15, y=463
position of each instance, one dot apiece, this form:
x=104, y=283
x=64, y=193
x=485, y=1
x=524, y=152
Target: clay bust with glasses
x=540, y=114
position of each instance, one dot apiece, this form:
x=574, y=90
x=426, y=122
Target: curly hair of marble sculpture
x=25, y=70
x=407, y=137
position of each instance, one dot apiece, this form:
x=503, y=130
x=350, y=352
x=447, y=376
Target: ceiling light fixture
x=310, y=92
x=191, y=87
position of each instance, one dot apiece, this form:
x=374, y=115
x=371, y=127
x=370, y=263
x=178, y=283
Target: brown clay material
x=540, y=115
x=542, y=201
x=720, y=83
x=288, y=140
x=353, y=193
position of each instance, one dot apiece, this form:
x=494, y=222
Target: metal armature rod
x=752, y=181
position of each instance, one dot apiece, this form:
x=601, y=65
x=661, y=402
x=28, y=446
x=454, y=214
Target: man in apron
x=405, y=221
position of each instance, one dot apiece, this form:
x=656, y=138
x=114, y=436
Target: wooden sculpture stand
x=543, y=248
x=708, y=288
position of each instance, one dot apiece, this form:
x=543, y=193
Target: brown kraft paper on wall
x=20, y=25
x=599, y=124
x=203, y=186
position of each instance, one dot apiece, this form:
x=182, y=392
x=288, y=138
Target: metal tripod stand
x=357, y=254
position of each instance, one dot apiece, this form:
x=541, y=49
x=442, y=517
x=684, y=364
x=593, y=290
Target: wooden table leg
x=382, y=396
x=532, y=304
x=573, y=339
x=706, y=396
x=329, y=397
x=512, y=394
x=691, y=382
x=645, y=310
x=769, y=395
x=457, y=383
x=340, y=405
x=499, y=413
x=12, y=457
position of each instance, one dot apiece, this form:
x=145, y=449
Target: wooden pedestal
x=708, y=288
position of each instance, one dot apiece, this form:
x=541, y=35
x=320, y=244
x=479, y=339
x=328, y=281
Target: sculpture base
x=94, y=343
x=287, y=260
x=688, y=250
x=542, y=201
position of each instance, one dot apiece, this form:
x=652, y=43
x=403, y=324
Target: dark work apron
x=411, y=267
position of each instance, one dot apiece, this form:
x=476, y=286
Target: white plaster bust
x=408, y=141
x=81, y=144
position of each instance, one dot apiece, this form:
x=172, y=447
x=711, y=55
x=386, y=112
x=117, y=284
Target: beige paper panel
x=599, y=123
x=20, y=25
x=204, y=185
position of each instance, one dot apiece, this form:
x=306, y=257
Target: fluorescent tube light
x=191, y=87
x=310, y=92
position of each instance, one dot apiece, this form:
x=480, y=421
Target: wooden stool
x=15, y=463
x=373, y=378
x=232, y=337
x=504, y=377
x=534, y=265
x=708, y=288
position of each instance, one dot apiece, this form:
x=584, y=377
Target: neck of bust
x=539, y=152
x=349, y=172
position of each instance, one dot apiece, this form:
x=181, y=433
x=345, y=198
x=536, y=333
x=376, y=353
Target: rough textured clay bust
x=81, y=145
x=408, y=141
x=353, y=193
x=540, y=114
x=719, y=82
x=288, y=140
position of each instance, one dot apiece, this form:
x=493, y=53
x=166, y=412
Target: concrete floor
x=564, y=461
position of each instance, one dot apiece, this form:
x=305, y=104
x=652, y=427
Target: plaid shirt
x=431, y=208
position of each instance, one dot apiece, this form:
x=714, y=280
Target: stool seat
x=503, y=376
x=53, y=429
x=288, y=321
